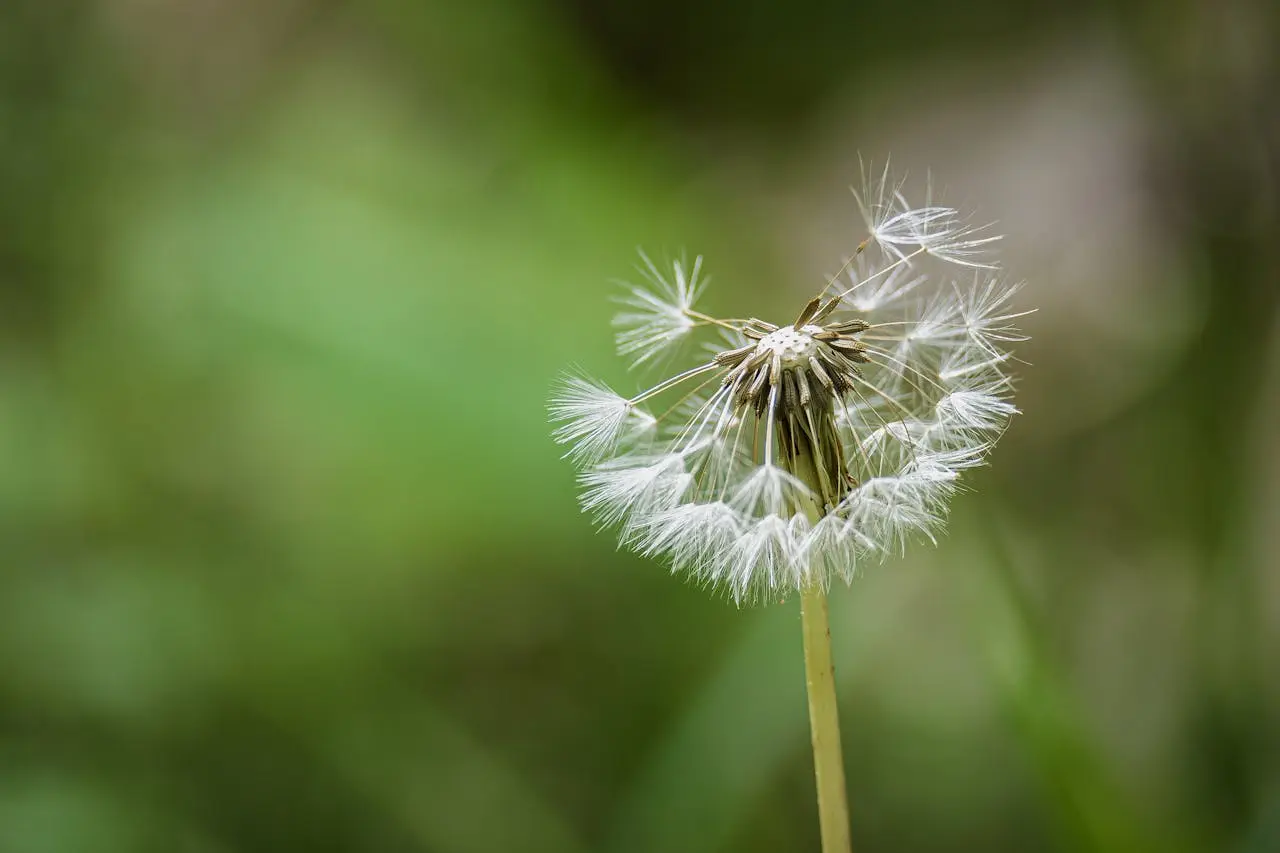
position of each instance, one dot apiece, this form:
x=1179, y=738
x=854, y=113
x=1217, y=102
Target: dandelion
x=795, y=451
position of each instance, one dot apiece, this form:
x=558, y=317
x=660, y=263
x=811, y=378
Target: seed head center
x=794, y=348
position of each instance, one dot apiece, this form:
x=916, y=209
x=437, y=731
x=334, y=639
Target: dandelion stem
x=824, y=722
x=820, y=681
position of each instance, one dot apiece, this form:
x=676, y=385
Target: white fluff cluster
x=693, y=469
x=655, y=315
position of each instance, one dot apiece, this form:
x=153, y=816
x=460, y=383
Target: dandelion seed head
x=791, y=453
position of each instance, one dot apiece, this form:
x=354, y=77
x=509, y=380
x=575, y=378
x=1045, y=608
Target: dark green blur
x=288, y=560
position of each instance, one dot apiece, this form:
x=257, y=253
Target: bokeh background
x=289, y=562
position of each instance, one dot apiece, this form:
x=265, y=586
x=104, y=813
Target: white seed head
x=801, y=449
x=793, y=347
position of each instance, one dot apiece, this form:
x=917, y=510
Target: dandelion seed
x=975, y=410
x=659, y=312
x=624, y=488
x=593, y=418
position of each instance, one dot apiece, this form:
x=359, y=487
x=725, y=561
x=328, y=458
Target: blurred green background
x=289, y=562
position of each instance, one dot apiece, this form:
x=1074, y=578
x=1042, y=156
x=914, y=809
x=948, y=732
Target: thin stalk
x=824, y=722
x=820, y=684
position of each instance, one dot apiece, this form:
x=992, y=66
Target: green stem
x=820, y=677
x=824, y=722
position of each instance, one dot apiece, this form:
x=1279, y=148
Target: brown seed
x=849, y=327
x=807, y=314
x=729, y=358
x=818, y=371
